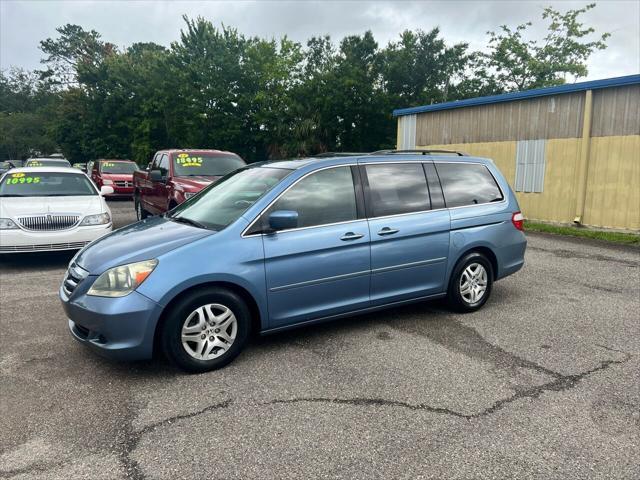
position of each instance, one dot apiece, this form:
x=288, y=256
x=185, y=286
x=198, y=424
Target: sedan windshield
x=224, y=202
x=47, y=162
x=118, y=167
x=207, y=164
x=45, y=184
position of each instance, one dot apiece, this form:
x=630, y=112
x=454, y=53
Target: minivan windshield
x=225, y=201
x=118, y=167
x=46, y=184
x=207, y=164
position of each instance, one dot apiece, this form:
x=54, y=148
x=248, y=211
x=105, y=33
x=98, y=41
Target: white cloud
x=23, y=24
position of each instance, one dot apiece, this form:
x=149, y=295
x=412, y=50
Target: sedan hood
x=143, y=240
x=13, y=207
x=196, y=182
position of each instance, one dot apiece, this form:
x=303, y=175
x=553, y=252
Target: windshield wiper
x=188, y=221
x=12, y=195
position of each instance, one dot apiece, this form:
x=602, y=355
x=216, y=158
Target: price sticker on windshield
x=184, y=160
x=18, y=178
x=34, y=163
x=108, y=164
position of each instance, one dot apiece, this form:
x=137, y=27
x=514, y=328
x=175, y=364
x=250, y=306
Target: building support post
x=583, y=165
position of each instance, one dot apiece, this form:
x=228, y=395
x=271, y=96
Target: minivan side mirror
x=283, y=220
x=156, y=176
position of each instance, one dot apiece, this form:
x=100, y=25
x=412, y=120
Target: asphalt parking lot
x=541, y=383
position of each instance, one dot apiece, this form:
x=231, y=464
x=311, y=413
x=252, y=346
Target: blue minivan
x=283, y=244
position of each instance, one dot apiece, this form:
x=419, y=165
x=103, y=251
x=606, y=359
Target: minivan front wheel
x=471, y=283
x=206, y=330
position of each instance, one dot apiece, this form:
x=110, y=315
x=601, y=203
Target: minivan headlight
x=99, y=219
x=7, y=224
x=121, y=281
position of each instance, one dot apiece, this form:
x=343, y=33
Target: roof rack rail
x=420, y=151
x=338, y=154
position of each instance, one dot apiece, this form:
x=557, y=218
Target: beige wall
x=613, y=182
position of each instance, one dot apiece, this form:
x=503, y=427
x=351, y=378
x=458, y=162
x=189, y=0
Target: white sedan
x=50, y=208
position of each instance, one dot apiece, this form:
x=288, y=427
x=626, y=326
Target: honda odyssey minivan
x=283, y=244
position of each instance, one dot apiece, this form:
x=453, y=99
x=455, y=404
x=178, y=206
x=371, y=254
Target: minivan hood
x=195, y=183
x=13, y=207
x=140, y=241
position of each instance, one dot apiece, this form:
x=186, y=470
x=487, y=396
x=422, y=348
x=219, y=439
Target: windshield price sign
x=17, y=178
x=184, y=160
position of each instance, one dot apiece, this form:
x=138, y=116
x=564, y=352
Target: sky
x=24, y=23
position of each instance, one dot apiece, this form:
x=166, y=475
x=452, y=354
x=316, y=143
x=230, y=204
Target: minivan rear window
x=396, y=188
x=467, y=184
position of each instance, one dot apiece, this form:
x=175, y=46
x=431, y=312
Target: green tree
x=76, y=53
x=521, y=64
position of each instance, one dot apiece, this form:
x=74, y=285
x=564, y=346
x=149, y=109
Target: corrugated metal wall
x=545, y=117
x=616, y=111
x=498, y=131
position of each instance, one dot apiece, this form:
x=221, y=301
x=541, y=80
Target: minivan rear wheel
x=471, y=283
x=206, y=329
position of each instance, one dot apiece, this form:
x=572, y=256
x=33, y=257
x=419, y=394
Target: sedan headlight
x=7, y=224
x=121, y=281
x=99, y=219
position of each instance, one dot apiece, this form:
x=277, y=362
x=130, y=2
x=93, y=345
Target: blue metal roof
x=510, y=97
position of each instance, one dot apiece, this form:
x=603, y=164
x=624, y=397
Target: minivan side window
x=467, y=184
x=324, y=197
x=396, y=188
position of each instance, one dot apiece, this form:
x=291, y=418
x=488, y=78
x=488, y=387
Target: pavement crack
x=34, y=468
x=132, y=437
x=363, y=401
x=559, y=384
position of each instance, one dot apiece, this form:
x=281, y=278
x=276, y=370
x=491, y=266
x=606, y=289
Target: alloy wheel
x=209, y=331
x=473, y=283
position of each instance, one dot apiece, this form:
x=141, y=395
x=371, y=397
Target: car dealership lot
x=542, y=382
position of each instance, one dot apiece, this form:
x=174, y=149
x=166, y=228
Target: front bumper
x=119, y=328
x=120, y=192
x=18, y=240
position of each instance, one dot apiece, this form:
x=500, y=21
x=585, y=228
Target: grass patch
x=613, y=237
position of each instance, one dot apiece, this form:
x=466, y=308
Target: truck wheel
x=141, y=213
x=206, y=329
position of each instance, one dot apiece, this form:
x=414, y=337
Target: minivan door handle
x=351, y=236
x=388, y=231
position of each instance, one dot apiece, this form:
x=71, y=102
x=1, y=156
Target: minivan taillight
x=518, y=220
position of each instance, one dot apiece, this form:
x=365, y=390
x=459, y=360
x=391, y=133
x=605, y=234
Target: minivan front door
x=409, y=239
x=320, y=268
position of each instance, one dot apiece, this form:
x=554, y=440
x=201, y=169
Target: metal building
x=571, y=153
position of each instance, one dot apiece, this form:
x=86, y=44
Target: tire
x=141, y=213
x=471, y=283
x=218, y=315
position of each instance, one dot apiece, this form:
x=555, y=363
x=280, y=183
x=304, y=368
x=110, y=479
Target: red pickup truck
x=175, y=175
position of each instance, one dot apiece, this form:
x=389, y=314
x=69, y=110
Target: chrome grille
x=74, y=276
x=123, y=183
x=42, y=247
x=48, y=222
